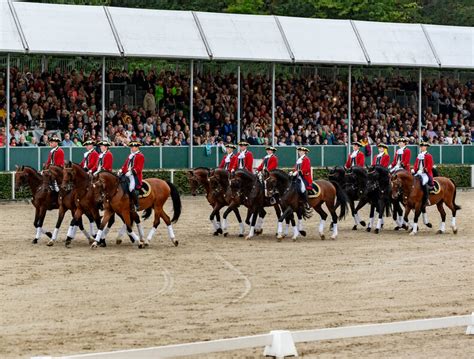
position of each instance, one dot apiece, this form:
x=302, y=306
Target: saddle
x=436, y=189
x=144, y=190
x=315, y=191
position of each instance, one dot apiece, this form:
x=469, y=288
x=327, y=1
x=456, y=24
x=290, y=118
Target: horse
x=378, y=192
x=66, y=203
x=329, y=193
x=354, y=182
x=215, y=184
x=44, y=199
x=408, y=187
x=112, y=192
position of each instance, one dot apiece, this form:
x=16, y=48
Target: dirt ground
x=57, y=301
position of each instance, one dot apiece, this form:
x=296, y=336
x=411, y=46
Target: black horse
x=378, y=192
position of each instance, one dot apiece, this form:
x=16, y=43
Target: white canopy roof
x=112, y=31
x=153, y=33
x=66, y=29
x=10, y=40
x=454, y=45
x=243, y=37
x=390, y=44
x=322, y=41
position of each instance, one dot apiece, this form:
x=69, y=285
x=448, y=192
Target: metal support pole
x=419, y=106
x=273, y=105
x=238, y=104
x=7, y=130
x=349, y=110
x=103, y=98
x=191, y=121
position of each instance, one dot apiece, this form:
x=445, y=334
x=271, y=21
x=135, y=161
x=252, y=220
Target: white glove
x=419, y=172
x=390, y=167
x=412, y=171
x=129, y=173
x=290, y=174
x=119, y=172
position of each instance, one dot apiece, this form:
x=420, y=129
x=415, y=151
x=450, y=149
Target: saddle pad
x=145, y=190
x=436, y=189
x=315, y=192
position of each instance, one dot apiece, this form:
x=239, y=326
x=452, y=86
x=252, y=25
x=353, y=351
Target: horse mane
x=382, y=170
x=359, y=172
x=280, y=174
x=246, y=175
x=202, y=168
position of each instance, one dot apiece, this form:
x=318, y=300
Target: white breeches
x=131, y=185
x=424, y=178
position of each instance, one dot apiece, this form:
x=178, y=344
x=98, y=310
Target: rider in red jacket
x=356, y=158
x=424, y=169
x=229, y=162
x=245, y=157
x=132, y=168
x=91, y=157
x=382, y=159
x=303, y=167
x=401, y=159
x=106, y=159
x=56, y=155
x=270, y=161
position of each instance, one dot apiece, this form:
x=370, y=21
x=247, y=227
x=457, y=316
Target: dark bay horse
x=111, y=192
x=215, y=184
x=407, y=186
x=44, y=199
x=378, y=193
x=330, y=193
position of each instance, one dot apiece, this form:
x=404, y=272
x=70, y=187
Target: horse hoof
x=455, y=230
x=376, y=231
x=118, y=241
x=397, y=228
x=412, y=233
x=49, y=234
x=50, y=243
x=241, y=235
x=35, y=241
x=362, y=223
x=91, y=240
x=279, y=239
x=226, y=234
x=333, y=237
x=258, y=232
x=381, y=226
x=219, y=231
x=215, y=233
x=440, y=231
x=102, y=243
x=303, y=233
x=368, y=229
x=405, y=227
x=429, y=225
x=354, y=228
x=322, y=236
x=294, y=239
x=141, y=245
x=94, y=245
x=248, y=238
x=67, y=244
x=175, y=243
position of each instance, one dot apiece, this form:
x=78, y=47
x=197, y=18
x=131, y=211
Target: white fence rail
x=282, y=343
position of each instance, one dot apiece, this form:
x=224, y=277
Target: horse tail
x=146, y=214
x=176, y=202
x=454, y=196
x=342, y=199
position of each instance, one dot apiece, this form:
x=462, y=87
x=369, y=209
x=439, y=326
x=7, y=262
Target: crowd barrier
x=179, y=157
x=281, y=343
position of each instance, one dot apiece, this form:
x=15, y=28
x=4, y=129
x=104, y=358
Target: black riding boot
x=428, y=188
x=134, y=201
x=425, y=198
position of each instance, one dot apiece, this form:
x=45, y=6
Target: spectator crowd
x=309, y=110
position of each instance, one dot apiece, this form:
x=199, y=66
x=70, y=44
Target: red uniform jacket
x=427, y=164
x=229, y=166
x=305, y=168
x=91, y=161
x=246, y=162
x=359, y=160
x=270, y=163
x=136, y=165
x=55, y=158
x=106, y=162
x=404, y=158
x=383, y=161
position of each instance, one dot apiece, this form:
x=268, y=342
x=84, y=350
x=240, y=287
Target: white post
x=419, y=107
x=322, y=155
x=462, y=154
x=349, y=110
x=39, y=158
x=191, y=121
x=172, y=176
x=273, y=105
x=440, y=154
x=282, y=345
x=13, y=185
x=103, y=98
x=7, y=153
x=470, y=328
x=238, y=104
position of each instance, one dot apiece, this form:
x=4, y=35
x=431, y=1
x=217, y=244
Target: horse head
x=196, y=178
x=21, y=177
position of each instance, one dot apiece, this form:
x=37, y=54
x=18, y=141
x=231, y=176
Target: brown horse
x=329, y=193
x=408, y=187
x=44, y=199
x=110, y=190
x=66, y=203
x=215, y=184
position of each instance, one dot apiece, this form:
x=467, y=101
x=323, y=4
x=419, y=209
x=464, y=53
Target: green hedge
x=461, y=175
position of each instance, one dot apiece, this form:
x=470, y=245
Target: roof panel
x=66, y=29
x=454, y=45
x=158, y=33
x=396, y=44
x=312, y=40
x=243, y=37
x=10, y=40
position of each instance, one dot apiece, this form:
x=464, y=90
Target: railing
x=281, y=343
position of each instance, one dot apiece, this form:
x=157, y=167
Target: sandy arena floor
x=63, y=301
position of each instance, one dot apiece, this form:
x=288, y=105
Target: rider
x=270, y=161
x=91, y=157
x=55, y=157
x=106, y=159
x=303, y=170
x=424, y=169
x=401, y=159
x=245, y=157
x=229, y=162
x=133, y=168
x=383, y=158
x=356, y=158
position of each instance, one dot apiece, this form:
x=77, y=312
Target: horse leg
x=156, y=223
x=39, y=224
x=380, y=209
x=454, y=208
x=169, y=227
x=415, y=220
x=261, y=215
x=361, y=204
x=254, y=215
x=59, y=221
x=426, y=222
x=442, y=212
x=105, y=219
x=75, y=222
x=353, y=212
x=239, y=219
x=299, y=215
x=284, y=217
x=332, y=211
x=216, y=224
x=371, y=218
x=322, y=221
